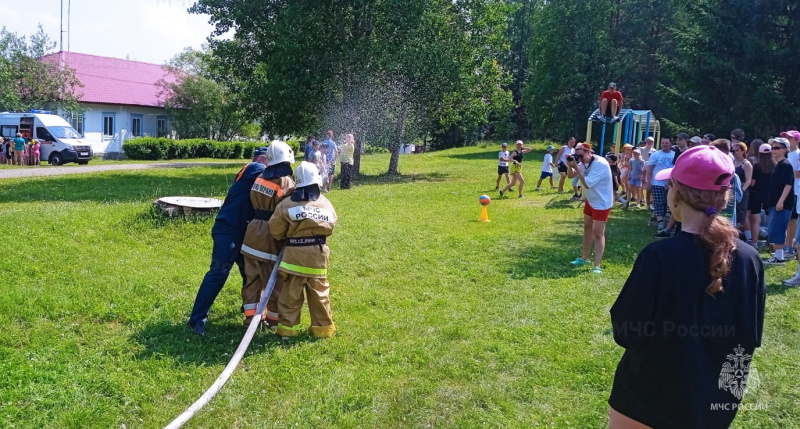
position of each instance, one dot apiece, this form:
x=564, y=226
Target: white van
x=60, y=142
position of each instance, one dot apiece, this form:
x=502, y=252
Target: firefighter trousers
x=258, y=272
x=291, y=302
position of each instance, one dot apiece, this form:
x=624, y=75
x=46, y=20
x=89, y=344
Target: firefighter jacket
x=305, y=226
x=265, y=196
x=237, y=211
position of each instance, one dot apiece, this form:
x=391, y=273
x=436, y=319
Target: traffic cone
x=484, y=217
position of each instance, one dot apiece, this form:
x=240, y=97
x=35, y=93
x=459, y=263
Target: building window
x=109, y=124
x=76, y=120
x=161, y=126
x=136, y=125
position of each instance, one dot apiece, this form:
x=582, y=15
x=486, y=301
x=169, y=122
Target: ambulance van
x=60, y=142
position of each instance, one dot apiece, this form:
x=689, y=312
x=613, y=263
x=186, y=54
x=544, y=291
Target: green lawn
x=443, y=321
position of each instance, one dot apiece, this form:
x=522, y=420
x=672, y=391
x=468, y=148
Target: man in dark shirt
x=780, y=200
x=228, y=232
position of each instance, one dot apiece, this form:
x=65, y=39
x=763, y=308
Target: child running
x=502, y=166
x=516, y=168
x=547, y=168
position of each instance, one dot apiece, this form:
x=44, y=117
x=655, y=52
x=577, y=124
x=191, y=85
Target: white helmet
x=307, y=174
x=278, y=152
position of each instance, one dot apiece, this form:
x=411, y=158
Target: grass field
x=443, y=321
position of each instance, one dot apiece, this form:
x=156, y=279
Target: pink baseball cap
x=793, y=134
x=701, y=167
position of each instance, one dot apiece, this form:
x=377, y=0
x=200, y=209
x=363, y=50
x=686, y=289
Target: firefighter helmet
x=278, y=152
x=307, y=174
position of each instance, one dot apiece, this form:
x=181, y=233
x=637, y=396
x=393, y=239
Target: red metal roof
x=114, y=81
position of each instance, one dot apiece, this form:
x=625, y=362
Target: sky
x=151, y=31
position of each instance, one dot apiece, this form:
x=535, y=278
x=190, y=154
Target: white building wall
x=93, y=124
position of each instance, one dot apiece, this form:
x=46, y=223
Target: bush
x=159, y=148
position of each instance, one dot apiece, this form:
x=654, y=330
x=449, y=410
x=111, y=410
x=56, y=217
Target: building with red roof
x=119, y=101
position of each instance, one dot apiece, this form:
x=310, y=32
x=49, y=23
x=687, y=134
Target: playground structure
x=631, y=127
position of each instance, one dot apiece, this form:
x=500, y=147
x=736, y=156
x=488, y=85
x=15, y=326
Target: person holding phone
x=594, y=175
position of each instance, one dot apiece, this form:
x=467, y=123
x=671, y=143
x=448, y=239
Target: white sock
x=749, y=235
x=779, y=253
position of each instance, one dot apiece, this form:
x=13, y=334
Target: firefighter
x=304, y=220
x=228, y=234
x=260, y=250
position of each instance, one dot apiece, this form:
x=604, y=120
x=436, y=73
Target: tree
x=737, y=66
x=199, y=106
x=29, y=82
x=570, y=61
x=395, y=66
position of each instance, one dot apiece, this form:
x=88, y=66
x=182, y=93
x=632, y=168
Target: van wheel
x=56, y=159
x=83, y=162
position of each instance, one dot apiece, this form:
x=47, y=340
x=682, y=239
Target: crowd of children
x=20, y=151
x=765, y=192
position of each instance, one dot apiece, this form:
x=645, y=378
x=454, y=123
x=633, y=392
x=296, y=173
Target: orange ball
x=485, y=200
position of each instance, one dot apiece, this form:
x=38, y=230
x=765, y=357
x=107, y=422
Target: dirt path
x=58, y=171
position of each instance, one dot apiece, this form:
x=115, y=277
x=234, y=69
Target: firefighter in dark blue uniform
x=228, y=233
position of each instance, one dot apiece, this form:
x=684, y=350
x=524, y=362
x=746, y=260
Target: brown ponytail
x=716, y=235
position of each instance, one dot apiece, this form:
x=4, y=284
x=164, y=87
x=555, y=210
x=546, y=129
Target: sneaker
x=501, y=194
x=578, y=262
x=664, y=233
x=511, y=189
x=774, y=261
x=788, y=251
x=496, y=189
x=554, y=187
x=537, y=189
x=652, y=221
x=520, y=196
x=792, y=282
x=199, y=328
x=625, y=203
x=660, y=225
x=650, y=207
x=597, y=270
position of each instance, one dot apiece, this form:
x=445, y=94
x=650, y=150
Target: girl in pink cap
x=691, y=313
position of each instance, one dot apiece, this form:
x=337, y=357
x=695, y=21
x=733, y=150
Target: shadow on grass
x=154, y=219
x=393, y=179
x=550, y=257
x=217, y=346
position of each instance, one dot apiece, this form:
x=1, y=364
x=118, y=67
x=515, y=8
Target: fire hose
x=237, y=357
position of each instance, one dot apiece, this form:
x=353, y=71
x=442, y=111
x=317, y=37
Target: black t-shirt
x=782, y=175
x=678, y=339
x=761, y=188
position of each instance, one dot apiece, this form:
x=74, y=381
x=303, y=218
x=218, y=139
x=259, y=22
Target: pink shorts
x=598, y=215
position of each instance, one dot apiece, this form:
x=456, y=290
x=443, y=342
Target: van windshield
x=64, y=132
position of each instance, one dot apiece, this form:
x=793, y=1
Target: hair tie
x=710, y=211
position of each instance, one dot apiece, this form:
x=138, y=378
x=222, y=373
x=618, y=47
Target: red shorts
x=598, y=215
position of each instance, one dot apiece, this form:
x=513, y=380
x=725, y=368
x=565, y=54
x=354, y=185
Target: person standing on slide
x=610, y=98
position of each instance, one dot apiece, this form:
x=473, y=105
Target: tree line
x=451, y=72
x=454, y=71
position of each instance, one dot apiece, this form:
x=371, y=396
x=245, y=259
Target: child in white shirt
x=547, y=168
